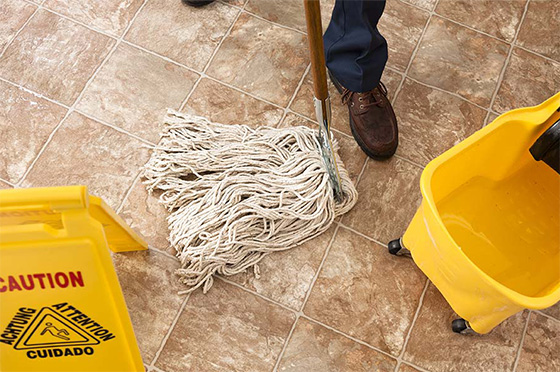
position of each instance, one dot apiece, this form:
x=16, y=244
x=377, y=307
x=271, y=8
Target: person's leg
x=355, y=51
x=356, y=54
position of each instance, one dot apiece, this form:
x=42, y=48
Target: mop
x=237, y=194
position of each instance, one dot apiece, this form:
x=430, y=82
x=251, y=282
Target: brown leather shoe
x=372, y=120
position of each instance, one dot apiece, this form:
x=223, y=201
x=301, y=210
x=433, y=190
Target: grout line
x=407, y=2
x=537, y=54
x=73, y=106
x=273, y=23
x=523, y=334
x=472, y=28
x=294, y=95
x=363, y=235
x=300, y=314
x=167, y=59
x=162, y=252
x=39, y=95
x=244, y=92
x=92, y=28
x=207, y=66
x=416, y=315
x=169, y=331
x=127, y=193
x=359, y=178
x=7, y=182
x=444, y=91
x=226, y=280
x=546, y=315
x=20, y=29
x=348, y=336
x=403, y=75
x=285, y=346
x=304, y=302
x=202, y=74
x=43, y=148
x=312, y=284
x=112, y=126
x=507, y=61
x=410, y=161
x=416, y=48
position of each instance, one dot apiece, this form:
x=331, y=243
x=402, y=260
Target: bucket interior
x=506, y=221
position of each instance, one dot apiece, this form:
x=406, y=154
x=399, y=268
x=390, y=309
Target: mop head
x=237, y=194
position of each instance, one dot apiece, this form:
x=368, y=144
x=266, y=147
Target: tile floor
x=83, y=86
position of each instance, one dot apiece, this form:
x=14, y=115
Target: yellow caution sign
x=61, y=305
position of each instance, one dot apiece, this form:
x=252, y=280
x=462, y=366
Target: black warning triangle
x=50, y=329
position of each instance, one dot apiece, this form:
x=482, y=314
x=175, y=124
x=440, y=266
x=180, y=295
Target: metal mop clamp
x=321, y=100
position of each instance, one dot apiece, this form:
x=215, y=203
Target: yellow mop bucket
x=61, y=306
x=487, y=231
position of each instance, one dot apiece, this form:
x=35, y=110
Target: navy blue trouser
x=355, y=51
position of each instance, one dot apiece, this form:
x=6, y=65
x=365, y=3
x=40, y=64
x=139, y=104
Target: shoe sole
x=359, y=141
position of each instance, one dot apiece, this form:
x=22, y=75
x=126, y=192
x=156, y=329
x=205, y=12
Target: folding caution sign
x=61, y=305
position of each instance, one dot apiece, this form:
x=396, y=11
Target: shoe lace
x=370, y=98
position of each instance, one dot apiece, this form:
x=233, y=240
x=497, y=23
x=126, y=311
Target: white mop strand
x=237, y=193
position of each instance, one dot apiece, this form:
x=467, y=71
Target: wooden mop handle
x=316, y=48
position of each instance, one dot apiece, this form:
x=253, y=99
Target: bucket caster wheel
x=461, y=326
x=396, y=248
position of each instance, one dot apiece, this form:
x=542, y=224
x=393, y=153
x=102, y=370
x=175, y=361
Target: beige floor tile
x=499, y=18
x=541, y=347
x=226, y=329
x=225, y=105
x=4, y=185
x=286, y=276
x=134, y=89
x=84, y=152
x=431, y=121
x=261, y=58
x=236, y=2
x=313, y=347
x=492, y=117
x=389, y=194
x=459, y=60
x=26, y=121
x=294, y=120
x=111, y=16
x=406, y=368
x=402, y=25
x=540, y=29
x=13, y=15
x=365, y=292
x=351, y=154
x=288, y=13
x=392, y=80
x=426, y=4
x=147, y=216
x=303, y=104
x=529, y=80
x=553, y=311
x=185, y=34
x=54, y=56
x=432, y=344
x=150, y=289
x=303, y=101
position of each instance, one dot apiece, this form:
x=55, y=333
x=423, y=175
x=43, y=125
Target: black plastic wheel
x=394, y=247
x=459, y=325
